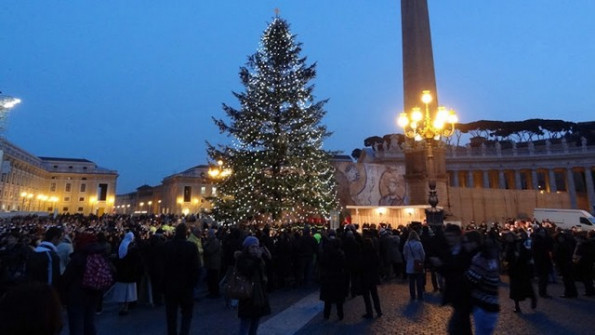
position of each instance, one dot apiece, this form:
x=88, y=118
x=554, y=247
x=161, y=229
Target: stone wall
x=477, y=204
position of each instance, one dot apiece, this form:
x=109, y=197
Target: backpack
x=98, y=273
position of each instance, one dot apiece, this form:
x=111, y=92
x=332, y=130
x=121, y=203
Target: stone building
x=181, y=193
x=51, y=184
x=482, y=183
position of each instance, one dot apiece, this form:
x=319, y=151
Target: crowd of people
x=165, y=259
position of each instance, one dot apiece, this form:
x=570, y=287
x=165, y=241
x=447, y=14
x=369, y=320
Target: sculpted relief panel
x=364, y=184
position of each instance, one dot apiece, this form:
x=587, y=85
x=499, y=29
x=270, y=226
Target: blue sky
x=132, y=85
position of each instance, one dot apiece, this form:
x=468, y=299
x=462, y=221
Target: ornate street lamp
x=429, y=126
x=218, y=171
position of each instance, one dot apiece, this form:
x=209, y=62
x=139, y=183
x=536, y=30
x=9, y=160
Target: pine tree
x=280, y=171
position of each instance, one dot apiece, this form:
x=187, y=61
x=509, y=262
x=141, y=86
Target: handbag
x=238, y=286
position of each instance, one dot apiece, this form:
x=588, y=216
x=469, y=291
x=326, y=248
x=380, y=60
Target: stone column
x=486, y=179
x=552, y=180
x=455, y=178
x=534, y=182
x=571, y=188
x=470, y=179
x=501, y=179
x=590, y=187
x=517, y=180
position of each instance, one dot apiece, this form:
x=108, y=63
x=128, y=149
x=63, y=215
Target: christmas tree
x=279, y=170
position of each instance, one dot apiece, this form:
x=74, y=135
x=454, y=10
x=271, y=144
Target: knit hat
x=383, y=232
x=250, y=241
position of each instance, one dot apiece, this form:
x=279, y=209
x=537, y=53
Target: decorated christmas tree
x=279, y=171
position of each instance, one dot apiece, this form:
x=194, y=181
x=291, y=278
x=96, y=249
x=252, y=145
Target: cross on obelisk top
x=277, y=11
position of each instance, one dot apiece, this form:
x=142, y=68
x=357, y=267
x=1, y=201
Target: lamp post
x=429, y=126
x=218, y=171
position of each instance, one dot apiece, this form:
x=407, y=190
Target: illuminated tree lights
x=280, y=171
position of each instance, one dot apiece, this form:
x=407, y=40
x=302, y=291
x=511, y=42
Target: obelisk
x=418, y=59
x=418, y=75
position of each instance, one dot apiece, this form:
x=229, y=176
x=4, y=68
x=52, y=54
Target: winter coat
x=455, y=262
x=180, y=269
x=333, y=283
x=212, y=253
x=130, y=268
x=370, y=267
x=253, y=268
x=518, y=257
x=412, y=251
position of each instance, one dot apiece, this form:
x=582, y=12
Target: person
x=128, y=272
x=483, y=276
x=81, y=302
x=542, y=246
x=249, y=263
x=212, y=257
x=306, y=247
x=414, y=251
x=32, y=308
x=583, y=258
x=154, y=263
x=64, y=249
x=452, y=260
x=196, y=238
x=564, y=245
x=370, y=278
x=353, y=255
x=180, y=274
x=333, y=281
x=389, y=252
x=13, y=261
x=518, y=257
x=43, y=264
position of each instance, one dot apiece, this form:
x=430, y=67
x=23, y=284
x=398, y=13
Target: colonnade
x=572, y=180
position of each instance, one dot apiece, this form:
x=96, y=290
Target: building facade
x=50, y=184
x=186, y=192
x=488, y=182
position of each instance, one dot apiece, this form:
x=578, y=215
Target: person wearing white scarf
x=123, y=250
x=125, y=290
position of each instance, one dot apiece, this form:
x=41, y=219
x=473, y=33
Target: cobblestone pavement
x=552, y=316
x=400, y=316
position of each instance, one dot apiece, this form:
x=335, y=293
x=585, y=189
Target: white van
x=566, y=218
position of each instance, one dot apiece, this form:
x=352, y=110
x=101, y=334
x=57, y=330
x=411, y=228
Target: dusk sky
x=132, y=85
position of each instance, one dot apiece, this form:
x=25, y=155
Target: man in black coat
x=542, y=246
x=452, y=263
x=180, y=275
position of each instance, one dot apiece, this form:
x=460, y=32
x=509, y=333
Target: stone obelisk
x=418, y=59
x=418, y=75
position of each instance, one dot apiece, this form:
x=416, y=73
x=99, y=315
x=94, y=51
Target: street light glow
x=421, y=125
x=7, y=102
